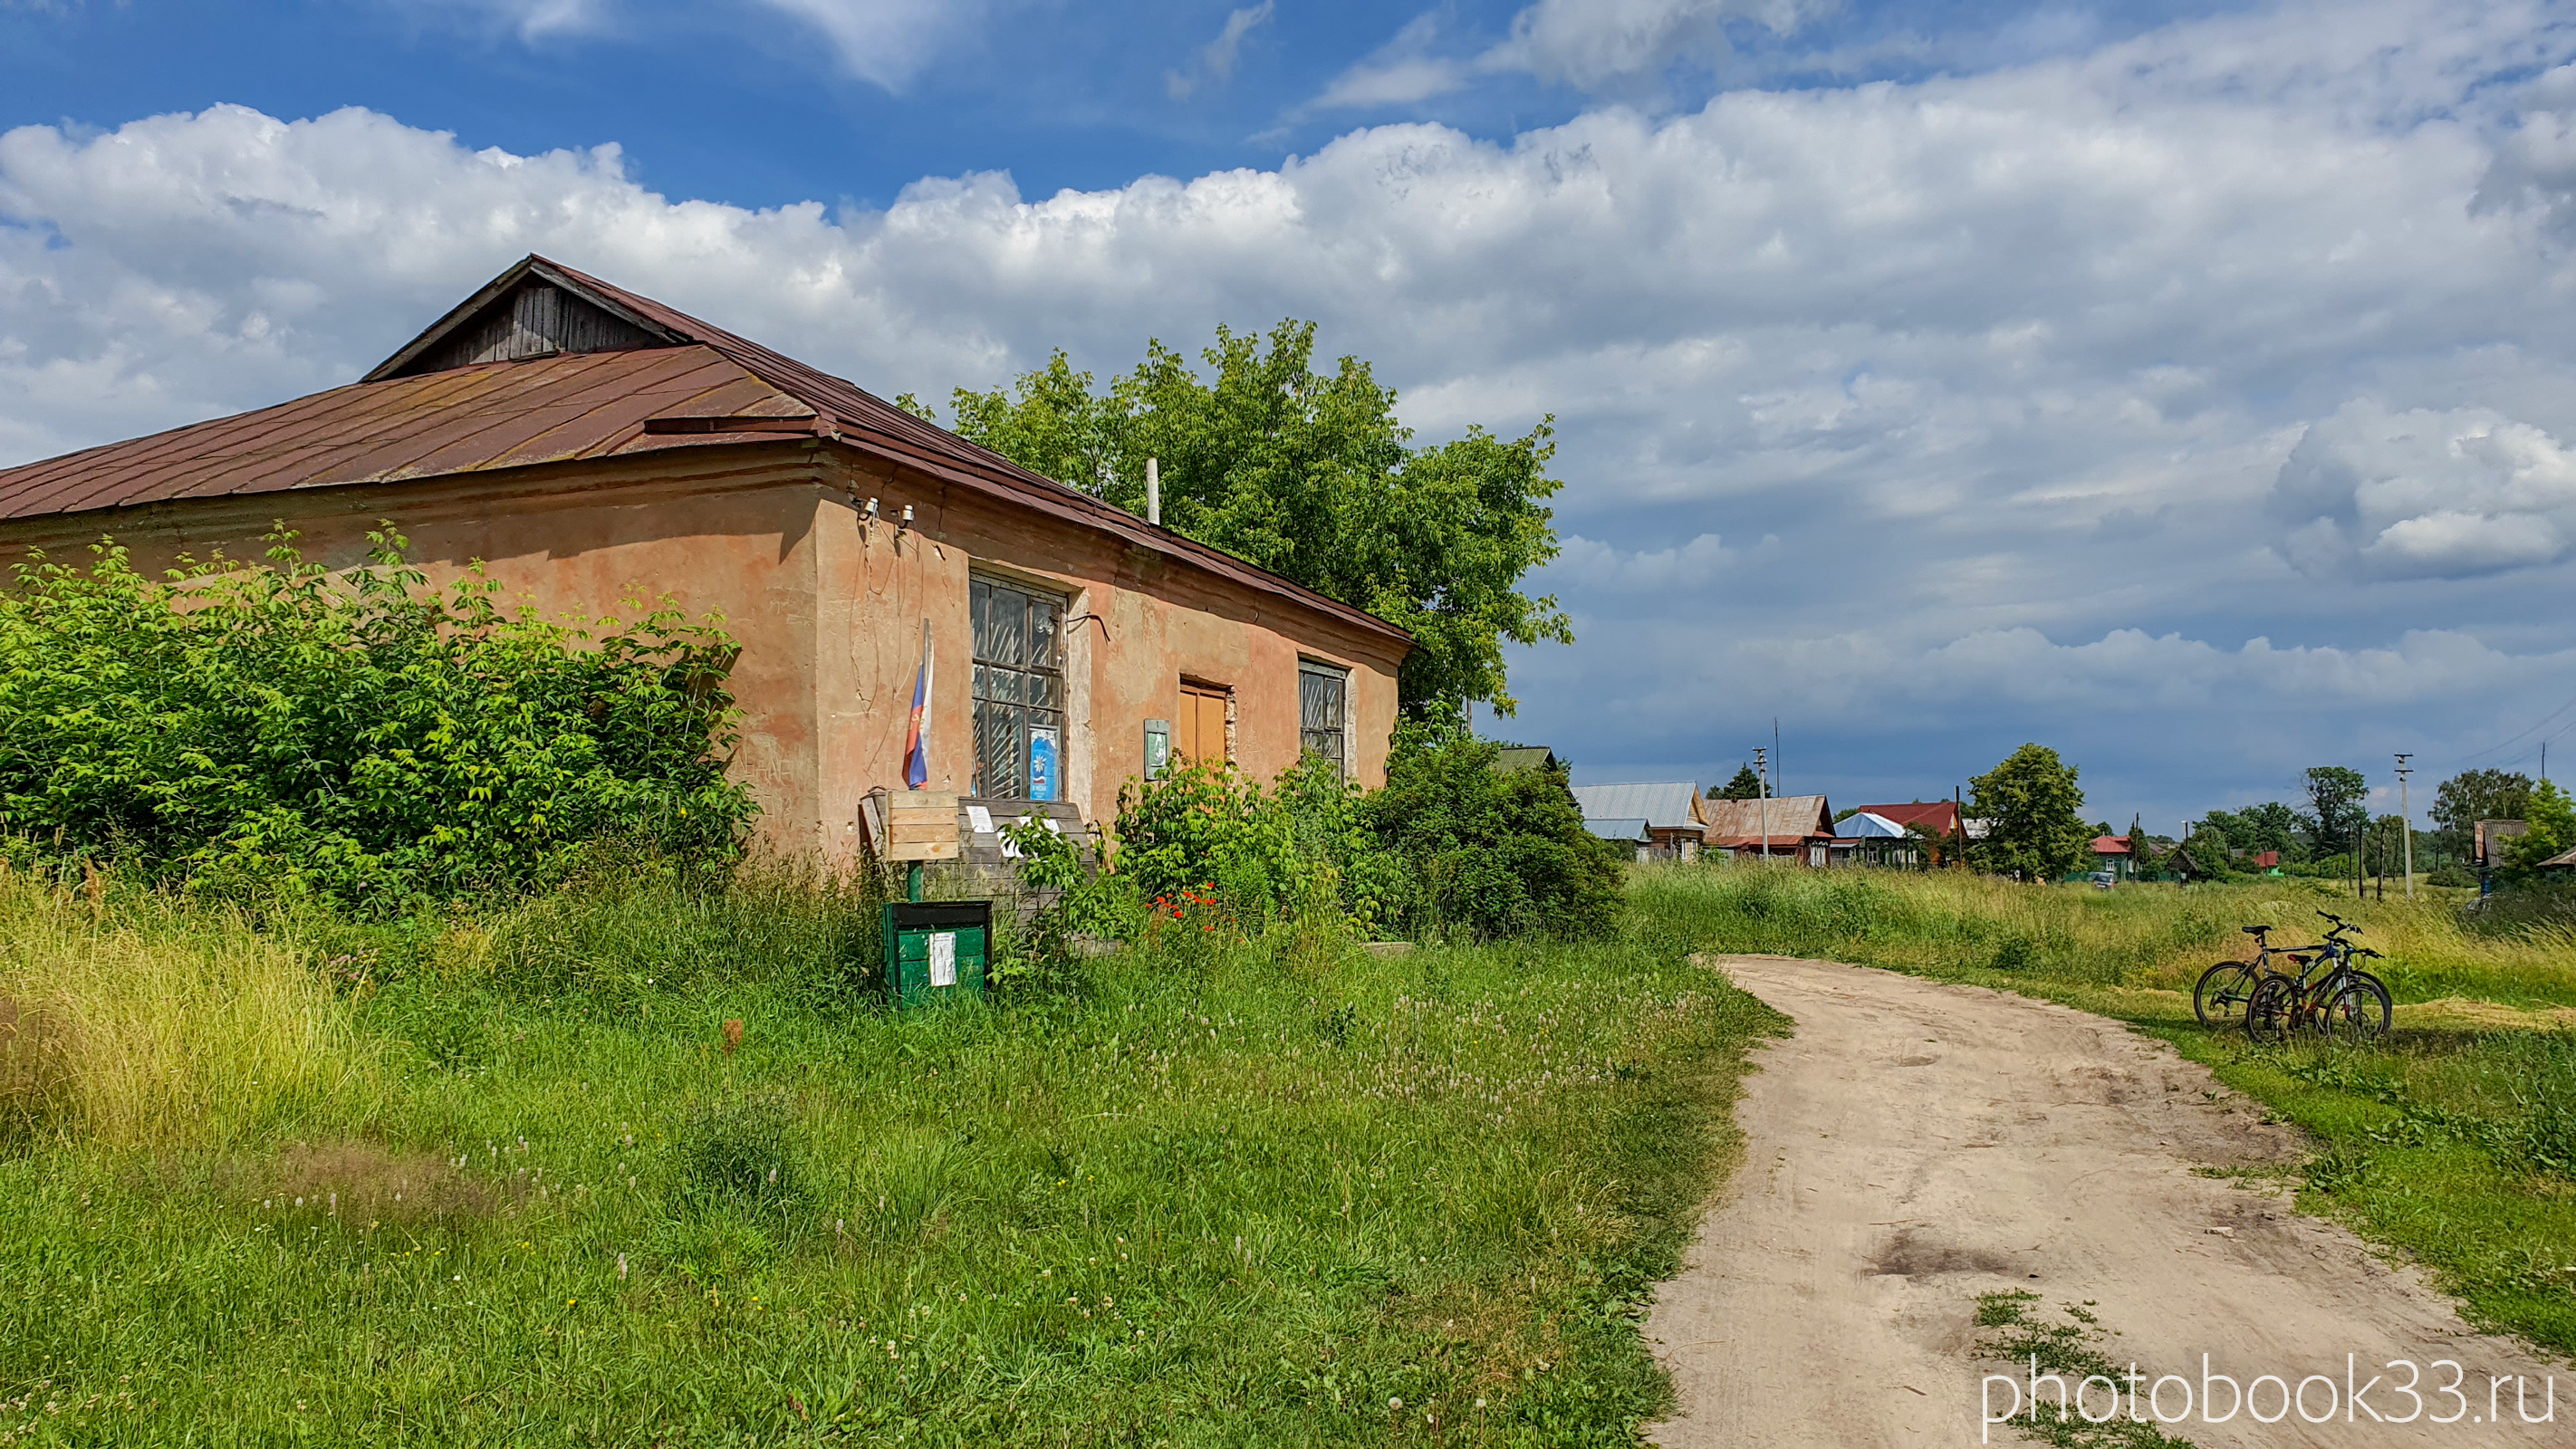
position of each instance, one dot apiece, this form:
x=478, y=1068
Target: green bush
x=1203, y=828
x=362, y=736
x=1449, y=847
x=1493, y=855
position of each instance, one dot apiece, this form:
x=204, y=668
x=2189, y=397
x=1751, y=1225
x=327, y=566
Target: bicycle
x=2220, y=996
x=2346, y=1005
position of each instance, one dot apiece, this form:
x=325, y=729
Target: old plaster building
x=591, y=445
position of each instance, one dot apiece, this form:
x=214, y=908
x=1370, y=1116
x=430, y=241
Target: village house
x=1938, y=819
x=592, y=446
x=1668, y=810
x=1799, y=827
x=2111, y=856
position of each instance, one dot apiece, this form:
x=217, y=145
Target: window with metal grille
x=1019, y=692
x=1323, y=712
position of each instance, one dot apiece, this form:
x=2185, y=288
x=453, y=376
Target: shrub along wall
x=1450, y=848
x=361, y=736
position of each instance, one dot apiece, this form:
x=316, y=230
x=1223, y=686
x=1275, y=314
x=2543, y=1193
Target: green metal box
x=936, y=950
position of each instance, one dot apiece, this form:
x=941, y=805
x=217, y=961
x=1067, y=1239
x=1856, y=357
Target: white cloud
x=2424, y=492
x=1402, y=72
x=529, y=19
x=2101, y=348
x=883, y=42
x=1685, y=569
x=1214, y=62
x=1601, y=47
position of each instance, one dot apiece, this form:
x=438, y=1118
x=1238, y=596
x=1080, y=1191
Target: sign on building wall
x=1042, y=763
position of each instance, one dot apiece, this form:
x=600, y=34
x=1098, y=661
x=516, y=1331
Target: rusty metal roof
x=472, y=419
x=401, y=423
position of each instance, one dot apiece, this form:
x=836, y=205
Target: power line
x=2542, y=723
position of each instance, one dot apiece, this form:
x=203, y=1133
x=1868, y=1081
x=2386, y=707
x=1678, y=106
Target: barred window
x=1019, y=691
x=1323, y=712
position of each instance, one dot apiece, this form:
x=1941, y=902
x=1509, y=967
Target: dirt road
x=1916, y=1144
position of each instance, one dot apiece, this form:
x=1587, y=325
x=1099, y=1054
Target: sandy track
x=1916, y=1144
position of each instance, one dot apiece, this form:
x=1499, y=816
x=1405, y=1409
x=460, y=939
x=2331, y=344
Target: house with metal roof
x=1636, y=834
x=1798, y=827
x=590, y=446
x=1669, y=808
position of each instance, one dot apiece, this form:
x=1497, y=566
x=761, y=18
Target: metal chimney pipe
x=1154, y=491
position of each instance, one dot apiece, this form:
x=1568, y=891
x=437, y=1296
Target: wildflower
x=1395, y=1403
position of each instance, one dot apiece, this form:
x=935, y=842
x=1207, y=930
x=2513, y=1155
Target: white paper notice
x=943, y=959
x=980, y=818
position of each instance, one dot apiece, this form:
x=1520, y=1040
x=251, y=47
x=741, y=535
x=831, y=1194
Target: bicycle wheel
x=2272, y=1010
x=2219, y=999
x=2358, y=1011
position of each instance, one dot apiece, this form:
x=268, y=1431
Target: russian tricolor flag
x=916, y=736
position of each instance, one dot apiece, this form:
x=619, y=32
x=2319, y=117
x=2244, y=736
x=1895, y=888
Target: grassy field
x=2455, y=1140
x=512, y=1177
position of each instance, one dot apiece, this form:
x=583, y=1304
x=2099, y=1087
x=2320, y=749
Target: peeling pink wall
x=828, y=611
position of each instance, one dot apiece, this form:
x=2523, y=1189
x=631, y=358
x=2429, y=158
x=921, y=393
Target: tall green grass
x=1274, y=1192
x=2138, y=936
x=156, y=1029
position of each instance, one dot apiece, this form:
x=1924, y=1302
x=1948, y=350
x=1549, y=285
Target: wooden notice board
x=1198, y=730
x=914, y=825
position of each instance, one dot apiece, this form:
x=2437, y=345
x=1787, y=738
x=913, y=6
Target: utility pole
x=2406, y=813
x=1775, y=751
x=1762, y=776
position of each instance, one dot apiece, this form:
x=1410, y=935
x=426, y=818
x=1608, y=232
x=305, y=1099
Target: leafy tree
x=2271, y=826
x=1745, y=786
x=2335, y=810
x=2142, y=851
x=2474, y=795
x=2552, y=818
x=2031, y=799
x=2257, y=828
x=1309, y=474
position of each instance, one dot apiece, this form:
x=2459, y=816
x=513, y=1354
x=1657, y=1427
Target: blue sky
x=767, y=102
x=2189, y=387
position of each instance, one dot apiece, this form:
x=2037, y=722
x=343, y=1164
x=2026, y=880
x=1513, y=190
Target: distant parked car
x=2104, y=878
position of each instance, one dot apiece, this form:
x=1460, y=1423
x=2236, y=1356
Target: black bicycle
x=2220, y=997
x=2343, y=1004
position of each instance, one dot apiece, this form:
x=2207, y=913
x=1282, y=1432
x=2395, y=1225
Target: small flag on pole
x=916, y=737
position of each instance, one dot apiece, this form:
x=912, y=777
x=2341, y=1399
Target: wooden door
x=1198, y=728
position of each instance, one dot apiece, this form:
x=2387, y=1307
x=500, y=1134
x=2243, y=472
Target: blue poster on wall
x=1041, y=764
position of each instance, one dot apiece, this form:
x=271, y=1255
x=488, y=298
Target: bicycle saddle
x=2253, y=930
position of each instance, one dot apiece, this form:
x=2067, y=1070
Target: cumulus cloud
x=2103, y=348
x=2425, y=493
x=1214, y=62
